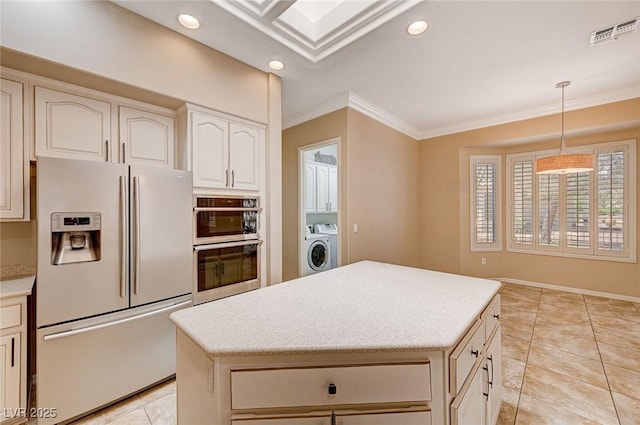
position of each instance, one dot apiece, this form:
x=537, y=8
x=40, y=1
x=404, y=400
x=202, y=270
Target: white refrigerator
x=114, y=260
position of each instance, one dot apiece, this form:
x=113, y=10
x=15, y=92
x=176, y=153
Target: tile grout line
x=526, y=363
x=606, y=376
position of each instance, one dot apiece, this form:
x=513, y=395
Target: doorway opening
x=319, y=208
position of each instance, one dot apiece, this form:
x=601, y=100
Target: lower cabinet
x=468, y=408
x=13, y=360
x=10, y=388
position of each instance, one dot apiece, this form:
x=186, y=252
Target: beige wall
x=383, y=184
x=324, y=128
x=378, y=184
x=444, y=196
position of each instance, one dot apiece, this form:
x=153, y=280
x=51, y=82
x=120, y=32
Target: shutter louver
x=548, y=210
x=485, y=203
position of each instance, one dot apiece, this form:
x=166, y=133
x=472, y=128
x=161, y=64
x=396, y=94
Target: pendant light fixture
x=564, y=162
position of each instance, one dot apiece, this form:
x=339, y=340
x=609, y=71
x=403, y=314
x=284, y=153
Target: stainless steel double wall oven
x=226, y=256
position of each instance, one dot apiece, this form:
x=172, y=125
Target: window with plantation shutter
x=485, y=203
x=584, y=215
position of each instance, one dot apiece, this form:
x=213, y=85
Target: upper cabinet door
x=333, y=189
x=210, y=137
x=244, y=157
x=322, y=188
x=12, y=161
x=310, y=187
x=146, y=138
x=70, y=126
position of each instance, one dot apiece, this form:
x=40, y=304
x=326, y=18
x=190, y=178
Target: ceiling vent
x=614, y=31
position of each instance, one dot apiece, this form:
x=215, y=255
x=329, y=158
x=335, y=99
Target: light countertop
x=365, y=306
x=16, y=287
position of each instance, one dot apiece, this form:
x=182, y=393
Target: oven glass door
x=226, y=264
x=222, y=219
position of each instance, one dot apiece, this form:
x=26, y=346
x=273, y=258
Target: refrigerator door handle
x=123, y=236
x=136, y=223
x=114, y=323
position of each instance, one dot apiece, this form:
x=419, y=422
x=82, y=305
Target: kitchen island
x=368, y=343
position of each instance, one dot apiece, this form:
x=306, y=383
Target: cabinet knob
x=496, y=316
x=333, y=389
x=475, y=353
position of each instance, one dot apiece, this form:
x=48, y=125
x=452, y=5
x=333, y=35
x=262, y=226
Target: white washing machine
x=330, y=230
x=318, y=253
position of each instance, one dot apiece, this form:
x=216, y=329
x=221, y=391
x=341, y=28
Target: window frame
x=593, y=252
x=495, y=160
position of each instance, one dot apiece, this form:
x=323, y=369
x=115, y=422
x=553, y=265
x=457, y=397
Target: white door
x=310, y=187
x=210, y=141
x=332, y=187
x=161, y=239
x=10, y=383
x=244, y=157
x=322, y=188
x=11, y=151
x=70, y=126
x=77, y=290
x=146, y=138
x=469, y=407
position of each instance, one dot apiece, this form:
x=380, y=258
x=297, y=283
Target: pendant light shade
x=565, y=163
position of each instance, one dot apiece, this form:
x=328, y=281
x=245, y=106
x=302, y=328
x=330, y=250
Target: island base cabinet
x=397, y=418
x=469, y=407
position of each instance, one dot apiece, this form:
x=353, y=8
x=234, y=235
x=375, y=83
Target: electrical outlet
x=483, y=261
x=355, y=228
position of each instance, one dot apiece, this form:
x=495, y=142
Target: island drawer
x=317, y=386
x=491, y=317
x=10, y=316
x=396, y=418
x=465, y=355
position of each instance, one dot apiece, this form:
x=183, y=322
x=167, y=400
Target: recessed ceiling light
x=417, y=27
x=276, y=65
x=188, y=21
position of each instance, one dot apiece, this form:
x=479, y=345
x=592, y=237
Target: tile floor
x=567, y=359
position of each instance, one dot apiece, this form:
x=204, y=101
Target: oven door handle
x=226, y=245
x=206, y=209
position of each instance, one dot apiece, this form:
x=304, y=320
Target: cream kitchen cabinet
x=13, y=382
x=223, y=152
x=344, y=418
x=146, y=138
x=81, y=124
x=322, y=187
x=72, y=126
x=14, y=158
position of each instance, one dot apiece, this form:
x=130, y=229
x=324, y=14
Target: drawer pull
x=333, y=389
x=13, y=352
x=490, y=358
x=496, y=316
x=475, y=353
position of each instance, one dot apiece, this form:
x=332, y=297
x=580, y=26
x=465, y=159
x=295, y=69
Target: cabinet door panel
x=12, y=196
x=469, y=407
x=310, y=187
x=10, y=364
x=322, y=188
x=146, y=138
x=332, y=187
x=210, y=151
x=244, y=157
x=495, y=377
x=71, y=126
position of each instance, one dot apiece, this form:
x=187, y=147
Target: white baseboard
x=569, y=289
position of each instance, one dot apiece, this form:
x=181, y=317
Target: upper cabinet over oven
x=223, y=152
x=82, y=124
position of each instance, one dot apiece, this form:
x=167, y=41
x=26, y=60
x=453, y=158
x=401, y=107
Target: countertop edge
x=17, y=287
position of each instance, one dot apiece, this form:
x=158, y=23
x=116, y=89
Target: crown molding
x=359, y=104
